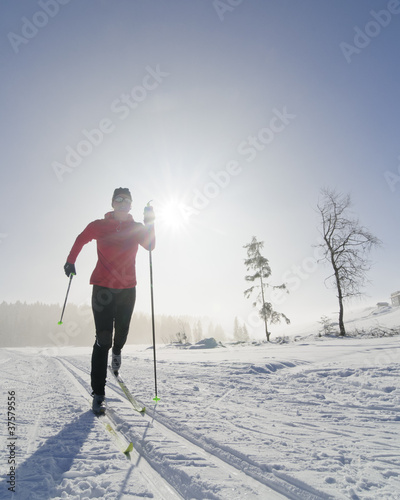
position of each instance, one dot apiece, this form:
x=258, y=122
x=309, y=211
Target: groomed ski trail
x=196, y=470
x=159, y=488
x=62, y=450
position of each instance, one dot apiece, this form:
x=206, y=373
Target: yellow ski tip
x=129, y=449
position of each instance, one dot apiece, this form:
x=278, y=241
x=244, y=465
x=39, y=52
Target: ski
x=136, y=405
x=105, y=418
x=118, y=439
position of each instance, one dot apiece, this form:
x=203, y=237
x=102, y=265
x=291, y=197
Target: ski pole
x=156, y=398
x=65, y=301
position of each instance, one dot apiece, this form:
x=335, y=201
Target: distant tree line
x=25, y=325
x=240, y=332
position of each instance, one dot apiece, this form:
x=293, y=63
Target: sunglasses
x=120, y=199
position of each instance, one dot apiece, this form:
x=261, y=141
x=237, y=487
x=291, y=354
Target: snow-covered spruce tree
x=262, y=271
x=346, y=245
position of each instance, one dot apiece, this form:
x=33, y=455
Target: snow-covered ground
x=315, y=418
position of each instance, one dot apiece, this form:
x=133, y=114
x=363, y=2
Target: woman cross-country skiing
x=118, y=237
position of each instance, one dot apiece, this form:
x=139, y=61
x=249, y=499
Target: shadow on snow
x=44, y=470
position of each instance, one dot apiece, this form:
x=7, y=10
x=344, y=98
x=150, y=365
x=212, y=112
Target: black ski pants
x=112, y=311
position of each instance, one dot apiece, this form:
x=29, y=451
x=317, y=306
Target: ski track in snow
x=313, y=420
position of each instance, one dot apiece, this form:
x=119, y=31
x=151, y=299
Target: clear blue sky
x=230, y=115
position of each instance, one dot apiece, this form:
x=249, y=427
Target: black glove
x=149, y=216
x=69, y=269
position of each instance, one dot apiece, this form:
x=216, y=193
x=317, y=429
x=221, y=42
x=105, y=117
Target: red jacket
x=117, y=246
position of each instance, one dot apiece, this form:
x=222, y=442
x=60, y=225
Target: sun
x=171, y=215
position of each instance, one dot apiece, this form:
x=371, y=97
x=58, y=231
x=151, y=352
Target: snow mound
x=210, y=343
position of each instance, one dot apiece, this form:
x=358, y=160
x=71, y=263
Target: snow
x=312, y=418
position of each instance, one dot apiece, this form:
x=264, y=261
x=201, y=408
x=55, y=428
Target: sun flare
x=172, y=215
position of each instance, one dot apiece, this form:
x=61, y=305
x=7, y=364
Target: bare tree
x=260, y=265
x=346, y=245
